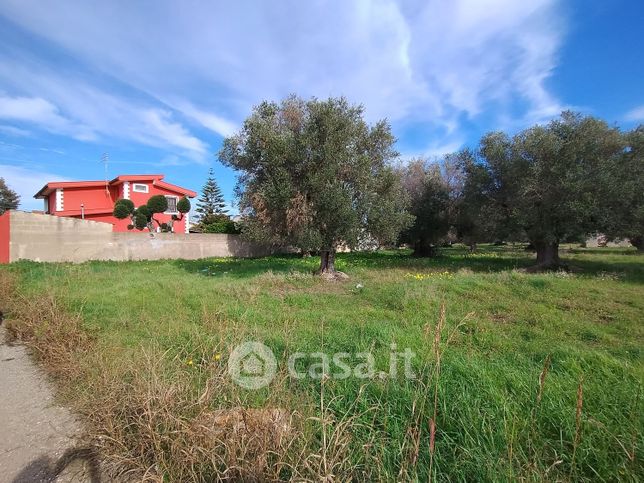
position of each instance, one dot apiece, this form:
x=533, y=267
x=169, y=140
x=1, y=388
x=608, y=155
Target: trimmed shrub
x=123, y=208
x=157, y=204
x=144, y=211
x=120, y=211
x=183, y=205
x=127, y=203
x=140, y=221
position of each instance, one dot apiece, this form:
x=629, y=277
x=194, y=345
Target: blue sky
x=158, y=84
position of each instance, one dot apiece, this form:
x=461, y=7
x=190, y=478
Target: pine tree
x=211, y=201
x=9, y=199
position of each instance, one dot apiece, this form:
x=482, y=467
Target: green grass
x=503, y=324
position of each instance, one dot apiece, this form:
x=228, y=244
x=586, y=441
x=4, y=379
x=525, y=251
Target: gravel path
x=37, y=437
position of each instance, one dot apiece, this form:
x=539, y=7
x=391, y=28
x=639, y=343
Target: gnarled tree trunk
x=547, y=254
x=423, y=248
x=327, y=262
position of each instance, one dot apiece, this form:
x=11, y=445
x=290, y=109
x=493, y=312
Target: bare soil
x=39, y=438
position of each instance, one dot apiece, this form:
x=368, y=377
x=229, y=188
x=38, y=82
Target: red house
x=94, y=200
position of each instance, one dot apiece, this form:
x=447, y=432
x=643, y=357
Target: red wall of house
x=97, y=198
x=4, y=237
x=92, y=197
x=142, y=198
x=52, y=202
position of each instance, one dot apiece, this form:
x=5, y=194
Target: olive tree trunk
x=423, y=248
x=547, y=254
x=327, y=262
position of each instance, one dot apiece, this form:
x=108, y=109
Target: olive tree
x=624, y=217
x=430, y=205
x=481, y=213
x=550, y=182
x=316, y=176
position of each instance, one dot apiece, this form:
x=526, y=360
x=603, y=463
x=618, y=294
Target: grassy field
x=529, y=376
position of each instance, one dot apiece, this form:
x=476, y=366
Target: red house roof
x=49, y=187
x=135, y=177
x=156, y=179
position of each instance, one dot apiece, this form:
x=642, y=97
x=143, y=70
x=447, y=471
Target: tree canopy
x=316, y=176
x=624, y=217
x=9, y=199
x=547, y=183
x=430, y=205
x=475, y=219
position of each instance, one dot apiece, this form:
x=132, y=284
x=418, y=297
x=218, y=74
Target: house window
x=172, y=204
x=140, y=188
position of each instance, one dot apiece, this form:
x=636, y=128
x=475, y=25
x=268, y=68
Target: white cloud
x=28, y=109
x=215, y=123
x=414, y=61
x=42, y=112
x=160, y=123
x=433, y=151
x=52, y=150
x=94, y=112
x=636, y=114
x=14, y=131
x=26, y=182
x=478, y=53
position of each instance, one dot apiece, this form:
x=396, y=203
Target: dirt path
x=37, y=437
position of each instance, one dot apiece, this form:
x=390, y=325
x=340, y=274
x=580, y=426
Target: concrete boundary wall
x=47, y=238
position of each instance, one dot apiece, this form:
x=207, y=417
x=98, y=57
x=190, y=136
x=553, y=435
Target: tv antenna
x=105, y=159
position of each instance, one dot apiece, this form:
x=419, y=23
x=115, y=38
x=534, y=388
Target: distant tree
x=9, y=199
x=549, y=183
x=211, y=201
x=454, y=178
x=143, y=216
x=475, y=217
x=624, y=217
x=429, y=203
x=315, y=175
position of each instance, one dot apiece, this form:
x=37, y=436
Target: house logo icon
x=252, y=365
